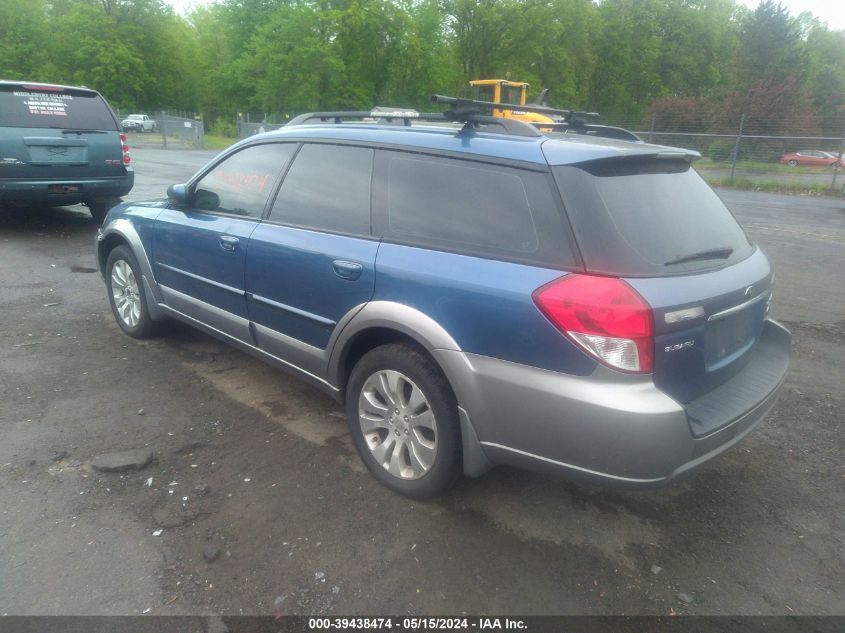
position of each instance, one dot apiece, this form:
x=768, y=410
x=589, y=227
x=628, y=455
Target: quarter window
x=459, y=204
x=327, y=188
x=242, y=183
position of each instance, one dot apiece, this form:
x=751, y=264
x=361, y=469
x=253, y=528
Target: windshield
x=648, y=217
x=512, y=95
x=55, y=108
x=484, y=93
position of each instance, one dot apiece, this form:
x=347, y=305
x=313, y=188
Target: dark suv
x=475, y=296
x=61, y=145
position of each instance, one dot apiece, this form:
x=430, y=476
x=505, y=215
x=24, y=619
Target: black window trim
x=380, y=211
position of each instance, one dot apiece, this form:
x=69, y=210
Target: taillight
x=604, y=316
x=125, y=149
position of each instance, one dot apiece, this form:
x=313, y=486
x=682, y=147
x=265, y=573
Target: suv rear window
x=60, y=108
x=648, y=217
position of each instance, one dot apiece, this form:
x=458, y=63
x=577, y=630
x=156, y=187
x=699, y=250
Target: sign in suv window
x=26, y=106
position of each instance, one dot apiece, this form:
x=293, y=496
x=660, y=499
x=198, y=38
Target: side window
x=241, y=184
x=327, y=188
x=470, y=207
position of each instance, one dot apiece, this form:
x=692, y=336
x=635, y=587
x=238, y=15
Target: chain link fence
x=247, y=129
x=777, y=154
x=165, y=130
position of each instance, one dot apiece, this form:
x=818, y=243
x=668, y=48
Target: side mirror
x=178, y=196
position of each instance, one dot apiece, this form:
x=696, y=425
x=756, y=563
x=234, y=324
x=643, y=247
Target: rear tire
x=403, y=418
x=126, y=294
x=99, y=208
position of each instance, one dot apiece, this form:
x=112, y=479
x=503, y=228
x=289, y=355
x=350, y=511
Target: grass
x=213, y=141
x=773, y=186
x=755, y=166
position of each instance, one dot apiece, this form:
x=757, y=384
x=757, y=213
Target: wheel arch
x=122, y=232
x=379, y=323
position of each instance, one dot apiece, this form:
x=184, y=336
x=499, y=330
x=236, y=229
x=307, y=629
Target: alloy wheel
x=125, y=292
x=398, y=424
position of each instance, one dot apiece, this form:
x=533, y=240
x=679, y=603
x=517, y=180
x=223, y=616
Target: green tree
x=825, y=76
x=771, y=47
x=23, y=33
x=629, y=48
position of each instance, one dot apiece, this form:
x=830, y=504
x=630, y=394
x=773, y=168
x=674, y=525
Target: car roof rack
x=472, y=113
x=572, y=121
x=473, y=105
x=389, y=115
x=471, y=120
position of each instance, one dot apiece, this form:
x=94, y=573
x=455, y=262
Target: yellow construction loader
x=509, y=93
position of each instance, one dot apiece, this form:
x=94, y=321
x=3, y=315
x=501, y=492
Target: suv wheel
x=99, y=208
x=403, y=418
x=126, y=294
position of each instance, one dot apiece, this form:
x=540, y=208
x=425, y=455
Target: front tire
x=126, y=294
x=403, y=418
x=792, y=163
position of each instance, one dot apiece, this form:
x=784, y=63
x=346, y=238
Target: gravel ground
x=255, y=502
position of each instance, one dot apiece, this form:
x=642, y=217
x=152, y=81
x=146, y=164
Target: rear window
x=648, y=217
x=62, y=108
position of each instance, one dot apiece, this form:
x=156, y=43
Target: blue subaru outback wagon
x=475, y=296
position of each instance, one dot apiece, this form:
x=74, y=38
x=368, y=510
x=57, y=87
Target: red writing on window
x=241, y=182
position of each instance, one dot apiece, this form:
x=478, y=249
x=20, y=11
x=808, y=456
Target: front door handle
x=229, y=243
x=347, y=270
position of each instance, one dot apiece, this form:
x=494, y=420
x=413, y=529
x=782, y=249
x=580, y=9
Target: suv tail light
x=125, y=148
x=604, y=316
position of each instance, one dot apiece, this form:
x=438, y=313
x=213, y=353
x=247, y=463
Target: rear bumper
x=89, y=189
x=609, y=427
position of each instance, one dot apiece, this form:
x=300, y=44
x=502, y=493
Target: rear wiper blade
x=73, y=131
x=713, y=253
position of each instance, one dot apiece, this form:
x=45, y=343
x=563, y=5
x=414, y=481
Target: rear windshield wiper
x=714, y=253
x=72, y=131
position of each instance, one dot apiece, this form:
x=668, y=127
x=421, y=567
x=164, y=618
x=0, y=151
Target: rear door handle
x=229, y=243
x=347, y=270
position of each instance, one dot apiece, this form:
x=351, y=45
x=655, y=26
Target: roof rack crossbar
x=467, y=105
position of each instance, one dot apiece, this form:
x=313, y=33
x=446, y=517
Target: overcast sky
x=831, y=11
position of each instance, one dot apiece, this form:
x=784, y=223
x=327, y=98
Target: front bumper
x=608, y=427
